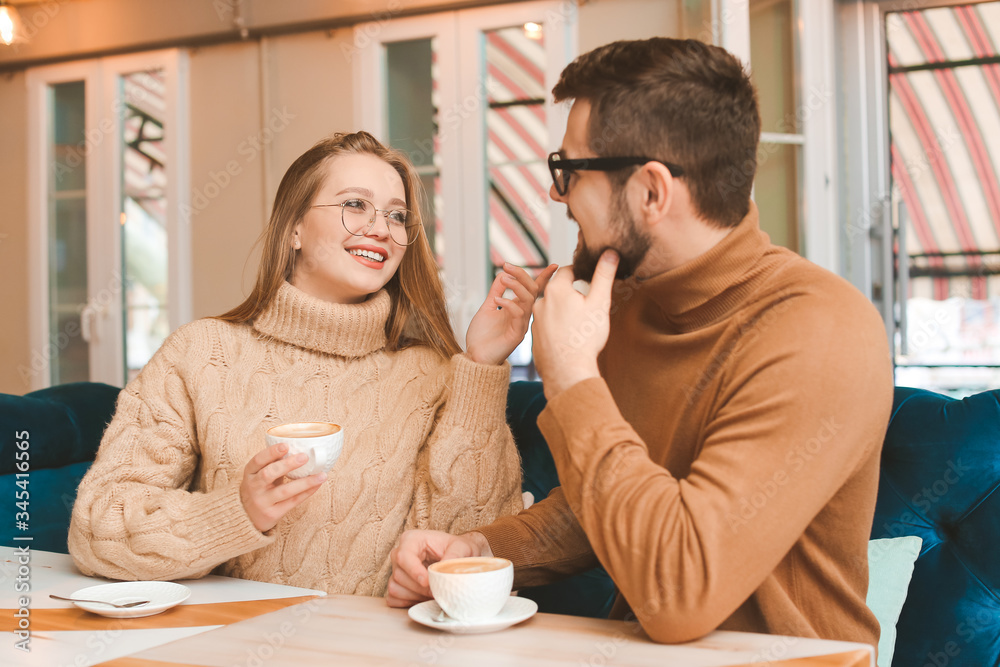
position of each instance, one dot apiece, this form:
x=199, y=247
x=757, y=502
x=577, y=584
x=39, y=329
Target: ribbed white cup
x=471, y=596
x=323, y=450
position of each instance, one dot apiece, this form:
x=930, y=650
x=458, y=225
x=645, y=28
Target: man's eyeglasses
x=562, y=168
x=358, y=217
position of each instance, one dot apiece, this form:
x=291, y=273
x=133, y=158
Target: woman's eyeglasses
x=358, y=217
x=562, y=168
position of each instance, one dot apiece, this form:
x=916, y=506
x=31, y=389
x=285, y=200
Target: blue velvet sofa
x=940, y=479
x=62, y=427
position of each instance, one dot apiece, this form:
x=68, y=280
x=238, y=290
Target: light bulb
x=6, y=26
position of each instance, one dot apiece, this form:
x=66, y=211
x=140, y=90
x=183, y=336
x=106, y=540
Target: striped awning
x=944, y=117
x=517, y=147
x=144, y=158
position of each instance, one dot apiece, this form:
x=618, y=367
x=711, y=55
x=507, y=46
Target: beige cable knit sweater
x=426, y=445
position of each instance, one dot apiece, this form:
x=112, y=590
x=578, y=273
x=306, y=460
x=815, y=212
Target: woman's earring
x=297, y=245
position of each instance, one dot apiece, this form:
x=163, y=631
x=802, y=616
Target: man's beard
x=632, y=244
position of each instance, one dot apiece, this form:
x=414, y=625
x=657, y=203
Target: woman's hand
x=500, y=324
x=266, y=494
x=416, y=549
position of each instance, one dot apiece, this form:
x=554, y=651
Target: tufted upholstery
x=940, y=473
x=64, y=425
x=940, y=479
x=590, y=593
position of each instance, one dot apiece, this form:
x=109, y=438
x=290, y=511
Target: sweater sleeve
x=134, y=516
x=469, y=471
x=685, y=553
x=544, y=542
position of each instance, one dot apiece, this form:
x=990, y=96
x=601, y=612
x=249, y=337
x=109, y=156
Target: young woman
x=347, y=324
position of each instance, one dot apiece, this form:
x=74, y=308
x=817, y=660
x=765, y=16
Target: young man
x=716, y=413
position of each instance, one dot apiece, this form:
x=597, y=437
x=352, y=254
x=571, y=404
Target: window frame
x=818, y=177
x=462, y=147
x=105, y=331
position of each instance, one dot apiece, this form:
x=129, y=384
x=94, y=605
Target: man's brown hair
x=680, y=101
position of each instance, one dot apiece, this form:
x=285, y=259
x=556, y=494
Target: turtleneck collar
x=708, y=287
x=345, y=330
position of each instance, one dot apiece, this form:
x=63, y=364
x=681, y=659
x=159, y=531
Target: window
x=466, y=95
x=788, y=46
x=109, y=276
x=944, y=123
x=775, y=73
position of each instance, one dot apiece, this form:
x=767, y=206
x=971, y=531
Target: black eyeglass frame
x=568, y=165
x=407, y=226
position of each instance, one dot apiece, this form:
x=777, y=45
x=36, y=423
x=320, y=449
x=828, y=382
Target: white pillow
x=890, y=566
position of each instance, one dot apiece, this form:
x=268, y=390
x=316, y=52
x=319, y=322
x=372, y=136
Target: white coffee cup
x=321, y=441
x=471, y=589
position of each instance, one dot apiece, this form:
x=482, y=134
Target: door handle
x=88, y=322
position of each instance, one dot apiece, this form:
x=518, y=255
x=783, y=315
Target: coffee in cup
x=471, y=589
x=321, y=441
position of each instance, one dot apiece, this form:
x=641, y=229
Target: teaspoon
x=126, y=605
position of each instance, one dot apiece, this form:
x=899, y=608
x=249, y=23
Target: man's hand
x=415, y=551
x=571, y=329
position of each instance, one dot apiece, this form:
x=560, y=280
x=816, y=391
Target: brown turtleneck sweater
x=724, y=467
x=426, y=445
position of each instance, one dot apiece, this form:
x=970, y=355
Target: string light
x=11, y=26
x=533, y=30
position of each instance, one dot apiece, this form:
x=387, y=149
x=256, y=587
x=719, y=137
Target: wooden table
x=236, y=622
x=63, y=634
x=350, y=630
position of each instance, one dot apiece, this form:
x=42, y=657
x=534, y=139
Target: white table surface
x=55, y=573
x=354, y=630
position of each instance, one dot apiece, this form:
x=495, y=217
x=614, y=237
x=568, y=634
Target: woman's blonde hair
x=419, y=315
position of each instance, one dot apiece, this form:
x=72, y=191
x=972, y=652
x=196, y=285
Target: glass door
x=109, y=254
x=66, y=209
x=467, y=95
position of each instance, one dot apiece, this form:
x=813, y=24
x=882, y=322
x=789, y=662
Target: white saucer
x=514, y=611
x=162, y=595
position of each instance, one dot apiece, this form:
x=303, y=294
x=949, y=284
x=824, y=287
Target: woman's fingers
x=513, y=308
x=294, y=494
x=405, y=588
x=544, y=277
x=400, y=596
x=294, y=487
x=521, y=291
x=497, y=287
x=265, y=457
x=275, y=471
